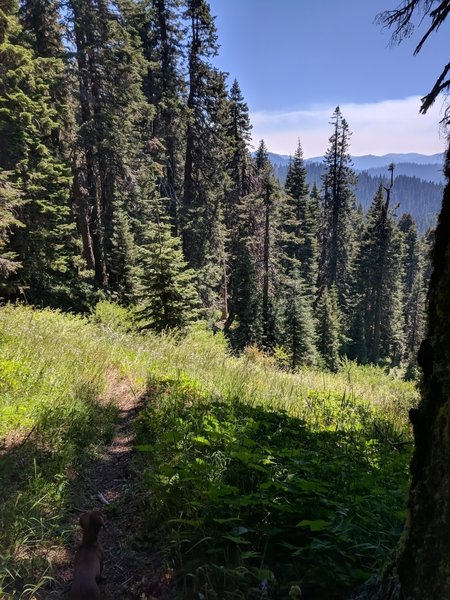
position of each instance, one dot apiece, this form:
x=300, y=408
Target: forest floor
x=106, y=485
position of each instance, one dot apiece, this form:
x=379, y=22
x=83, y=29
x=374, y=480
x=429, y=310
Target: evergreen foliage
x=414, y=290
x=169, y=298
x=298, y=326
x=329, y=328
x=28, y=126
x=206, y=153
x=379, y=287
x=338, y=234
x=119, y=138
x=9, y=203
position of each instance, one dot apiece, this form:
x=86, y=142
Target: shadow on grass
x=252, y=502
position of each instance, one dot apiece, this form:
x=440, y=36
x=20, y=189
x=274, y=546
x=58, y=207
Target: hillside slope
x=246, y=475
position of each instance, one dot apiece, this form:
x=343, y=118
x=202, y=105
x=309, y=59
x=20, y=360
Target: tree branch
x=440, y=85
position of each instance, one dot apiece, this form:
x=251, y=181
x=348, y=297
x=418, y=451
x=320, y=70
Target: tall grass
x=54, y=409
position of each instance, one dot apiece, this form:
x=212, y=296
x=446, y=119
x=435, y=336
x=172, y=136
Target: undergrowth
x=260, y=479
x=255, y=502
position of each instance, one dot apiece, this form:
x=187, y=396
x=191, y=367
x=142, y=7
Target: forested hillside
x=125, y=173
x=416, y=190
x=216, y=352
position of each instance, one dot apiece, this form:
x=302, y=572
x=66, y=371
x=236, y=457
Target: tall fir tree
x=379, y=289
x=161, y=29
x=293, y=226
x=269, y=196
x=329, y=328
x=9, y=203
x=338, y=243
x=256, y=276
x=298, y=327
x=113, y=131
x=239, y=170
x=42, y=27
x=29, y=126
x=205, y=177
x=298, y=263
x=414, y=291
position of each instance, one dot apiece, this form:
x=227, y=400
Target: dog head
x=91, y=521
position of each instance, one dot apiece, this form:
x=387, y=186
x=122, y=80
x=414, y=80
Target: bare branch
x=438, y=16
x=441, y=85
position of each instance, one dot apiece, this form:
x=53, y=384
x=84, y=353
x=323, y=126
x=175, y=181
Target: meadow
x=256, y=481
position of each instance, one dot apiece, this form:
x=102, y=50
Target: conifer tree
x=414, y=291
x=301, y=220
x=256, y=274
x=293, y=226
x=329, y=328
x=310, y=253
x=298, y=263
x=239, y=171
x=113, y=127
x=298, y=334
x=41, y=22
x=379, y=286
x=169, y=299
x=337, y=252
x=28, y=127
x=161, y=30
x=205, y=178
x=9, y=203
x=269, y=196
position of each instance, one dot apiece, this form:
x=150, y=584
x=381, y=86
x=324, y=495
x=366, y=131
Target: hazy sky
x=295, y=60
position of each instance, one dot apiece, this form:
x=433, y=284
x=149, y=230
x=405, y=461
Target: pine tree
x=9, y=202
x=256, y=276
x=161, y=30
x=301, y=221
x=298, y=335
x=329, y=328
x=239, y=170
x=379, y=287
x=169, y=299
x=293, y=226
x=28, y=128
x=339, y=214
x=205, y=179
x=41, y=22
x=269, y=201
x=414, y=293
x=113, y=128
x=298, y=265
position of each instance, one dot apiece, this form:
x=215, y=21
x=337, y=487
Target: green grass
x=227, y=438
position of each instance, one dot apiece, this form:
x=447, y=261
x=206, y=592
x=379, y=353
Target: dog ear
x=98, y=518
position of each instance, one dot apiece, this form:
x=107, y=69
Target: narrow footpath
x=106, y=485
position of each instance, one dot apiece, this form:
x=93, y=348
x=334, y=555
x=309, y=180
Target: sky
x=296, y=60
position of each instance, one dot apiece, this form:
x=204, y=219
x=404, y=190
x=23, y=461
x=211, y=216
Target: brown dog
x=88, y=559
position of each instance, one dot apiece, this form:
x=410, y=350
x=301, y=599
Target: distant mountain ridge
x=371, y=161
x=418, y=186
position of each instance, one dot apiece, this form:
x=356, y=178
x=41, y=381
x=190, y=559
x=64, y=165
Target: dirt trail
x=127, y=573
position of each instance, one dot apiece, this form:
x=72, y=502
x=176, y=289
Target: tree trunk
x=420, y=568
x=266, y=257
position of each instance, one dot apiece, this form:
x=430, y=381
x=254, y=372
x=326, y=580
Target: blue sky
x=295, y=60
